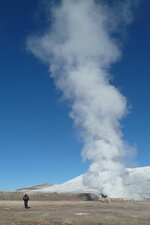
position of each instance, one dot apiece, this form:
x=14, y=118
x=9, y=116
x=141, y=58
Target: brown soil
x=75, y=213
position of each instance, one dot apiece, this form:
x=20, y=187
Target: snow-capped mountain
x=138, y=180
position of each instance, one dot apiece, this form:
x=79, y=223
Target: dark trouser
x=26, y=204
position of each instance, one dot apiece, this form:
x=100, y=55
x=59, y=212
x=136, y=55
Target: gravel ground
x=75, y=213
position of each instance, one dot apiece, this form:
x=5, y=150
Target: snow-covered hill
x=138, y=184
x=74, y=186
x=138, y=181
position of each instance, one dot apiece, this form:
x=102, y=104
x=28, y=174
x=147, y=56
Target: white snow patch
x=81, y=214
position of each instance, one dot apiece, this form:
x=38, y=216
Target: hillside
x=138, y=181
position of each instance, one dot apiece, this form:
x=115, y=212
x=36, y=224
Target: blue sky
x=38, y=143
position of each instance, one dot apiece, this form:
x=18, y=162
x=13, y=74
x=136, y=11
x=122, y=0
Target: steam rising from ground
x=79, y=47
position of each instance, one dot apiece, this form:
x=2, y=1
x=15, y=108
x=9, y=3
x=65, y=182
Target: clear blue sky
x=38, y=143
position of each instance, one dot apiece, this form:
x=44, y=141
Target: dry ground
x=75, y=213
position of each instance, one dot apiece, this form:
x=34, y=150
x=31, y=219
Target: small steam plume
x=79, y=46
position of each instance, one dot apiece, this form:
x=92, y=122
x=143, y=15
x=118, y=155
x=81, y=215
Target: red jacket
x=26, y=198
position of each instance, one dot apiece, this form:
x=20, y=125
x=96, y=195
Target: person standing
x=26, y=199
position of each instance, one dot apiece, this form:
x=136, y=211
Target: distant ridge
x=34, y=187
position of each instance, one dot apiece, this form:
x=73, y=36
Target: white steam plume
x=79, y=47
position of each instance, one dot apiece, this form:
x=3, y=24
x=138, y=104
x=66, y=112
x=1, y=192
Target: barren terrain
x=76, y=212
